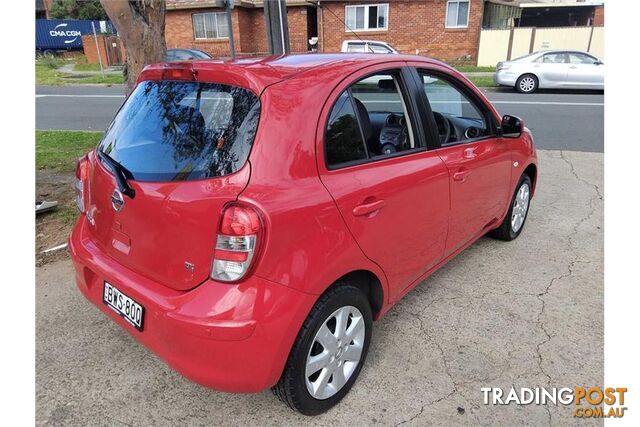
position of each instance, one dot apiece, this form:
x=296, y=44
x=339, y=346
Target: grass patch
x=83, y=66
x=474, y=69
x=483, y=81
x=59, y=150
x=46, y=75
x=66, y=214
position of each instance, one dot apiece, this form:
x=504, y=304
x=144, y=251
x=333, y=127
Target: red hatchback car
x=248, y=220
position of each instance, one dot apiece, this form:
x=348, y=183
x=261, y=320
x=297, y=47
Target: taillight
x=237, y=242
x=82, y=173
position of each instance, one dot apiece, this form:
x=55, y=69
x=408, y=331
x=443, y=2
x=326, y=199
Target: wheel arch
x=370, y=285
x=532, y=171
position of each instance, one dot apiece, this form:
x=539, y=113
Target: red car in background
x=248, y=220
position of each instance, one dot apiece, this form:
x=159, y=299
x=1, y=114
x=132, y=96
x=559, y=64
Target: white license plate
x=125, y=306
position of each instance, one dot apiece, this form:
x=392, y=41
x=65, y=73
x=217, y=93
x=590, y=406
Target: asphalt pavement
x=559, y=120
x=526, y=313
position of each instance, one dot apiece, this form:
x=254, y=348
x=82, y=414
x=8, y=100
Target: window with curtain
x=210, y=26
x=457, y=14
x=367, y=17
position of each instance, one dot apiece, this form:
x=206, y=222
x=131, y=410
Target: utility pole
x=275, y=15
x=232, y=47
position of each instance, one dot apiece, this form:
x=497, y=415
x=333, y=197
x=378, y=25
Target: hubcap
x=335, y=352
x=527, y=84
x=520, y=207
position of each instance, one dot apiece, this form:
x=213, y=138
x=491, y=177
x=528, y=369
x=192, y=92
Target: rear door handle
x=461, y=175
x=368, y=208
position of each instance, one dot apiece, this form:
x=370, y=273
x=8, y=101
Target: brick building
x=202, y=24
x=446, y=29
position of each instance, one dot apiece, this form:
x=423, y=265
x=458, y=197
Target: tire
x=527, y=83
x=293, y=386
x=509, y=230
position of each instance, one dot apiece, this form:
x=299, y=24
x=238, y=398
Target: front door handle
x=470, y=153
x=461, y=175
x=368, y=208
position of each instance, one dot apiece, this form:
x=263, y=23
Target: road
x=525, y=313
x=559, y=120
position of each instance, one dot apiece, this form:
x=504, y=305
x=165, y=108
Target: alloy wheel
x=520, y=207
x=527, y=84
x=335, y=352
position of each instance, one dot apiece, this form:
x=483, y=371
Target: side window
x=383, y=114
x=555, y=58
x=343, y=138
x=377, y=48
x=356, y=47
x=369, y=120
x=458, y=118
x=580, y=58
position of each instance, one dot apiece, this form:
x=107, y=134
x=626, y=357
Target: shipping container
x=66, y=34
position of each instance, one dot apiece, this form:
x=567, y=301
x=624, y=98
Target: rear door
x=185, y=145
x=552, y=69
x=479, y=163
x=392, y=193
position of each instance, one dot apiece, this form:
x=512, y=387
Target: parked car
x=367, y=46
x=552, y=69
x=254, y=218
x=185, y=54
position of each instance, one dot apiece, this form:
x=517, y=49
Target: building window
x=457, y=14
x=210, y=26
x=368, y=17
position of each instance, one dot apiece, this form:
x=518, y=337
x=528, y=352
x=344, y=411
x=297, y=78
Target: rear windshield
x=173, y=131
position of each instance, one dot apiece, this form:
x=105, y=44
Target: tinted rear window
x=172, y=131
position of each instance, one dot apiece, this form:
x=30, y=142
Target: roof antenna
x=345, y=25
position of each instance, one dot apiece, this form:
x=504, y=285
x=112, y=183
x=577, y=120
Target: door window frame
x=490, y=120
x=407, y=92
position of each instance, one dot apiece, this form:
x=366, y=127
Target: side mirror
x=511, y=126
x=598, y=63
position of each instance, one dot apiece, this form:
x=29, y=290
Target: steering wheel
x=444, y=127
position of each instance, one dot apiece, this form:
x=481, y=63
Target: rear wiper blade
x=121, y=173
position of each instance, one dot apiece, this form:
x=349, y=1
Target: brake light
x=180, y=71
x=82, y=173
x=178, y=74
x=237, y=242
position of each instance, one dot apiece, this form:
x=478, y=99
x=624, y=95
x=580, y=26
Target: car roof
x=365, y=41
x=563, y=51
x=258, y=73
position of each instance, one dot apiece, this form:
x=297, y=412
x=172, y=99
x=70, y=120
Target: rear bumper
x=229, y=337
x=505, y=78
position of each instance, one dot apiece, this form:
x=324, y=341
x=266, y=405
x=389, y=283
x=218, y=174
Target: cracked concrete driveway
x=526, y=313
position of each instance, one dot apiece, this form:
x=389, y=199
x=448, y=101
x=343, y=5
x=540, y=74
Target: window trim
x=446, y=15
x=366, y=18
x=492, y=125
x=193, y=26
x=405, y=81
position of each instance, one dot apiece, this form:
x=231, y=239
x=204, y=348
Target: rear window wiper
x=121, y=173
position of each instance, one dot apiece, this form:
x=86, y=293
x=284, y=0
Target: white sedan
x=552, y=69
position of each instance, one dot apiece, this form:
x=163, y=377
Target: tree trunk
x=140, y=24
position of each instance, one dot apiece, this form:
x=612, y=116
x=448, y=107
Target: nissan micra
x=248, y=221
